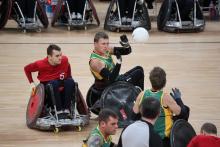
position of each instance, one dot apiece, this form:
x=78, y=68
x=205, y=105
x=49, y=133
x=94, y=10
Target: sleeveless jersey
x=109, y=64
x=164, y=122
x=105, y=142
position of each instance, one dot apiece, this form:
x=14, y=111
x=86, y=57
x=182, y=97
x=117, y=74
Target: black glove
x=119, y=58
x=125, y=49
x=124, y=41
x=177, y=97
x=176, y=93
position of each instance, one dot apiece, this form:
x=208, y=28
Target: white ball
x=140, y=35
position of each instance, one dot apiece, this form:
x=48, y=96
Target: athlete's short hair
x=52, y=47
x=209, y=128
x=105, y=113
x=100, y=35
x=157, y=78
x=150, y=108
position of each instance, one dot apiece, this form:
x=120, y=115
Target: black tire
x=164, y=13
x=81, y=104
x=120, y=97
x=35, y=106
x=106, y=27
x=94, y=12
x=146, y=18
x=91, y=98
x=181, y=133
x=57, y=12
x=5, y=12
x=42, y=14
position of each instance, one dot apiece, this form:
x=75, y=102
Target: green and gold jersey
x=164, y=122
x=109, y=64
x=102, y=141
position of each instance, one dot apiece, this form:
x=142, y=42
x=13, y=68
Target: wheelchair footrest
x=49, y=122
x=29, y=26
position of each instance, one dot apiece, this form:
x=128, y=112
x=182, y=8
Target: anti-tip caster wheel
x=78, y=128
x=39, y=30
x=56, y=130
x=69, y=28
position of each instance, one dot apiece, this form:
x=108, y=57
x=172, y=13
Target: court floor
x=191, y=61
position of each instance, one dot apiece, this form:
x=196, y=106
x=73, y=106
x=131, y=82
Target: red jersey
x=47, y=72
x=204, y=141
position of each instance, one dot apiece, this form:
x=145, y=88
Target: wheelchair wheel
x=181, y=133
x=5, y=11
x=92, y=97
x=107, y=17
x=120, y=97
x=81, y=104
x=164, y=13
x=147, y=23
x=42, y=14
x=94, y=11
x=35, y=106
x=57, y=12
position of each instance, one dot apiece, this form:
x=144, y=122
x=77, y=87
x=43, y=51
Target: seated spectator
x=207, y=138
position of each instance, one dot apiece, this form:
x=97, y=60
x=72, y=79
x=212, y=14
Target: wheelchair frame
x=118, y=26
x=50, y=120
x=177, y=25
x=76, y=23
x=27, y=26
x=95, y=105
x=39, y=13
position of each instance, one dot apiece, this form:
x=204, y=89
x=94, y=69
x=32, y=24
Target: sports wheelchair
x=170, y=18
x=212, y=7
x=113, y=20
x=119, y=96
x=181, y=133
x=62, y=15
x=42, y=114
x=10, y=9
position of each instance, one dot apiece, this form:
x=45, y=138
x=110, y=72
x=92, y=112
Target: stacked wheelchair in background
x=169, y=19
x=140, y=18
x=10, y=9
x=62, y=15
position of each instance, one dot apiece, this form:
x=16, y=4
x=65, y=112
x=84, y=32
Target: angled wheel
x=181, y=133
x=120, y=97
x=42, y=14
x=107, y=17
x=35, y=106
x=5, y=11
x=56, y=130
x=94, y=11
x=164, y=14
x=92, y=97
x=145, y=15
x=57, y=12
x=81, y=104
